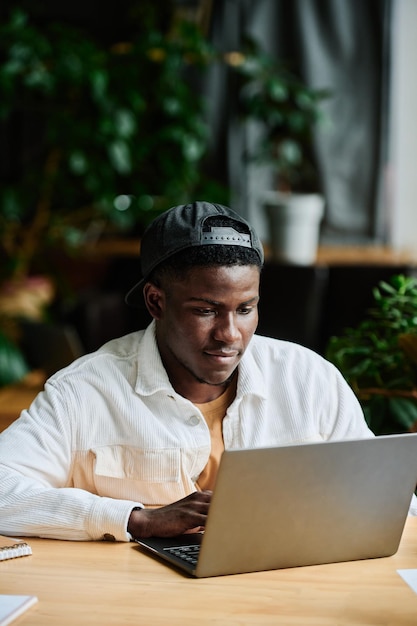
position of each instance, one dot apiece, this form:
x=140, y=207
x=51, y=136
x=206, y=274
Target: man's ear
x=154, y=299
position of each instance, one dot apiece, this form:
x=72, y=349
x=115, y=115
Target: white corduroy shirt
x=109, y=432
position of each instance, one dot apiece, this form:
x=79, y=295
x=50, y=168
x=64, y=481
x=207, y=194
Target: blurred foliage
x=102, y=133
x=13, y=366
x=379, y=357
x=103, y=127
x=24, y=299
x=287, y=110
x=113, y=132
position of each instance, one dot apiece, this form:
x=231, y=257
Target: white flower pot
x=294, y=223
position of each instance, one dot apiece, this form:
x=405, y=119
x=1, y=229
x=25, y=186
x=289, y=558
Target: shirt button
x=193, y=420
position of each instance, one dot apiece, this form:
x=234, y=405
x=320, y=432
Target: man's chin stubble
x=224, y=383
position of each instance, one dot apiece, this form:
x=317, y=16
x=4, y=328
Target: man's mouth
x=222, y=355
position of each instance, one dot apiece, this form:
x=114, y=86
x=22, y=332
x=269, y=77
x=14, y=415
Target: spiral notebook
x=11, y=548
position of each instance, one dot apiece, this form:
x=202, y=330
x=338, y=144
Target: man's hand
x=187, y=514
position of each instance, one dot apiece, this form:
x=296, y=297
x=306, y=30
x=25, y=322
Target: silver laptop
x=301, y=505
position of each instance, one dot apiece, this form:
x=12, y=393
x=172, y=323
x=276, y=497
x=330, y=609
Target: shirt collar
x=251, y=380
x=151, y=374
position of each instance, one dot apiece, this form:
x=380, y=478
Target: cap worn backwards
x=181, y=227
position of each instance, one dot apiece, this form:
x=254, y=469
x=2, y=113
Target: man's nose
x=226, y=328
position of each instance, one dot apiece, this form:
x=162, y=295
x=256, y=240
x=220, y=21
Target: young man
x=143, y=421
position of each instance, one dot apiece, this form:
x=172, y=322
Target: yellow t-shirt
x=214, y=413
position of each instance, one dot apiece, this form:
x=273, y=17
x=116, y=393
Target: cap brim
x=134, y=297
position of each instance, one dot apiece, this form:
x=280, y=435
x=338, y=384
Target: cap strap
x=226, y=235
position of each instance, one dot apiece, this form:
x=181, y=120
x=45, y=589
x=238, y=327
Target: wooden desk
x=116, y=584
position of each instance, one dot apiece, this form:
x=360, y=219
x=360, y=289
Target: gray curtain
x=338, y=44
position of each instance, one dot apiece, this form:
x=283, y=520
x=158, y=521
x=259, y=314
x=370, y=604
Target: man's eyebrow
x=216, y=303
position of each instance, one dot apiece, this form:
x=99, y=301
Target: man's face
x=204, y=324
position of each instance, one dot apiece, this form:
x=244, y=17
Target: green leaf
x=193, y=148
x=99, y=81
x=404, y=411
x=125, y=123
x=290, y=151
x=13, y=366
x=120, y=156
x=278, y=90
x=78, y=163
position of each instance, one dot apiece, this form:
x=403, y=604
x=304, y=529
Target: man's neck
x=203, y=393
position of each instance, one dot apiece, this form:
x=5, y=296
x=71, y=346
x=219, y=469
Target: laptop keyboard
x=187, y=553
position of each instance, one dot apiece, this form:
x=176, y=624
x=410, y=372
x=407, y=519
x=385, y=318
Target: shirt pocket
x=152, y=477
x=124, y=462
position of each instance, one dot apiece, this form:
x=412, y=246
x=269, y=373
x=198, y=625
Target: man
x=143, y=421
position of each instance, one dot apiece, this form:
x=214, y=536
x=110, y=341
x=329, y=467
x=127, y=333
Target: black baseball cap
x=182, y=227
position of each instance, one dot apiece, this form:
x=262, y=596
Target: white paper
x=410, y=577
x=13, y=606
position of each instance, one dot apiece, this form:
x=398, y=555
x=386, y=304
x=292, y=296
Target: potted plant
x=378, y=357
x=287, y=111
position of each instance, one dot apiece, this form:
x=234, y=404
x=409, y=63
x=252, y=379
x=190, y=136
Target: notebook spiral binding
x=14, y=550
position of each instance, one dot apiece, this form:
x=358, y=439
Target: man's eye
x=204, y=311
x=245, y=310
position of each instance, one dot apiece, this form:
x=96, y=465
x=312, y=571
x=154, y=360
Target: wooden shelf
x=364, y=255
x=327, y=255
